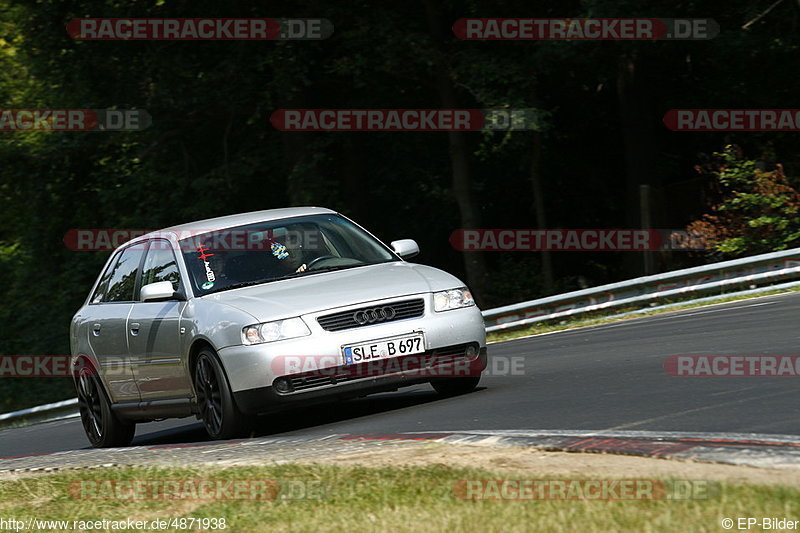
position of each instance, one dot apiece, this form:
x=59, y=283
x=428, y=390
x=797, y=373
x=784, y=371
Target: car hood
x=329, y=290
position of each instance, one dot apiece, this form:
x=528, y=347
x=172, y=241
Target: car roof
x=231, y=221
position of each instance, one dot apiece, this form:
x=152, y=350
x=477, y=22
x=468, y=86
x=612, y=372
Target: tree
x=754, y=211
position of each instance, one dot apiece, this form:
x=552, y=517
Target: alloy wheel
x=209, y=397
x=89, y=404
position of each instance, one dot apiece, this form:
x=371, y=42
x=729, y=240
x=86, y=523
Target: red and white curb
x=750, y=449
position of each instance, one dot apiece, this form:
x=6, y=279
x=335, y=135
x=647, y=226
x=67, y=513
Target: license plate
x=384, y=348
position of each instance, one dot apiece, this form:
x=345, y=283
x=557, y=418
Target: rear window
x=100, y=291
x=123, y=279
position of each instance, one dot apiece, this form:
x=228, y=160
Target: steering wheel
x=317, y=260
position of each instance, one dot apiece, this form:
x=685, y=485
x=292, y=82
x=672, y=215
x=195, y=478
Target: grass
x=413, y=499
x=571, y=323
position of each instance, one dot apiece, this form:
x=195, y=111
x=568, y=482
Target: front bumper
x=257, y=365
x=328, y=385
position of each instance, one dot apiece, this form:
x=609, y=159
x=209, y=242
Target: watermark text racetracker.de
x=584, y=29
x=205, y=489
x=105, y=524
x=392, y=120
x=605, y=489
x=74, y=119
x=732, y=119
x=199, y=29
x=732, y=366
x=369, y=363
x=532, y=240
x=41, y=366
x=109, y=239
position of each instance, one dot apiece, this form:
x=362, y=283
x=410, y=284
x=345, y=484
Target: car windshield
x=278, y=249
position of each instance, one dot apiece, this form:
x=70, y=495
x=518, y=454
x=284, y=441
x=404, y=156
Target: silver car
x=233, y=317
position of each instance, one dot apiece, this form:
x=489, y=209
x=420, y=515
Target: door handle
x=96, y=329
x=134, y=328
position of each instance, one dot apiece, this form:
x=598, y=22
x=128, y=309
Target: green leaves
x=756, y=211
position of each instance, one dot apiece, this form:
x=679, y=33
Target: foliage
x=754, y=211
x=211, y=150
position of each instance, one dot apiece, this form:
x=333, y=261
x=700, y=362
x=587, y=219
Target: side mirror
x=160, y=290
x=405, y=248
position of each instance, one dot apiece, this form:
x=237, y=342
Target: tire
x=455, y=386
x=215, y=402
x=103, y=428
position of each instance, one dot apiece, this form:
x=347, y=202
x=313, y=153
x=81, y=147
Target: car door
x=153, y=331
x=107, y=315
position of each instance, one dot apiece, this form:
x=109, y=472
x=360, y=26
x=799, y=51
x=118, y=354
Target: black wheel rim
x=209, y=397
x=89, y=404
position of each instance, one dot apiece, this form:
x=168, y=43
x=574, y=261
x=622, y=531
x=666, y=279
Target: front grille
x=375, y=314
x=424, y=363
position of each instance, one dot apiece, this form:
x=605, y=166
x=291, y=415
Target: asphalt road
x=608, y=377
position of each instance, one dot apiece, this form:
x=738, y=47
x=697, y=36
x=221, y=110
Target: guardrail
x=719, y=277
x=42, y=413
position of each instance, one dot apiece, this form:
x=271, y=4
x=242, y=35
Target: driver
x=289, y=259
x=312, y=246
x=295, y=249
x=287, y=252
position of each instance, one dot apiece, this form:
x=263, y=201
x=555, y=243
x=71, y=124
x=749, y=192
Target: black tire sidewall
x=233, y=422
x=115, y=432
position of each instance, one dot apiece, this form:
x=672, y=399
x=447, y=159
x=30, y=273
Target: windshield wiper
x=318, y=270
x=242, y=284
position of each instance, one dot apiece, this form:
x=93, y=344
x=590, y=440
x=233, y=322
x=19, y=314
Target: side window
x=161, y=265
x=100, y=291
x=123, y=279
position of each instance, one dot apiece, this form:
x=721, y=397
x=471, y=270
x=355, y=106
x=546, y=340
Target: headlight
x=452, y=299
x=275, y=331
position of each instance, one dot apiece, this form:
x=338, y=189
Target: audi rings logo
x=371, y=316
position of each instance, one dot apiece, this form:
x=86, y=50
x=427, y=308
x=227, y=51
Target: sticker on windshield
x=203, y=255
x=279, y=251
x=207, y=285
